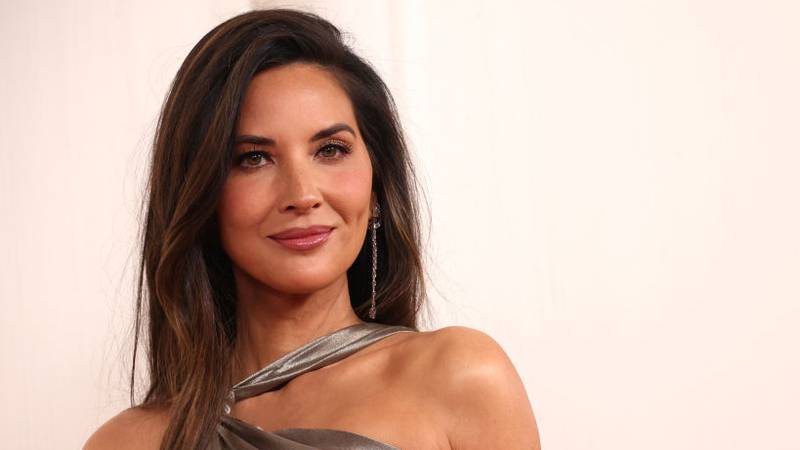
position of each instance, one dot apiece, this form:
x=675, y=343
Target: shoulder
x=134, y=428
x=460, y=354
x=473, y=384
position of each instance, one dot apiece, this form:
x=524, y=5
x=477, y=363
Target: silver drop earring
x=374, y=225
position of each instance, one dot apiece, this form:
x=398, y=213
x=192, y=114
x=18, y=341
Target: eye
x=252, y=159
x=334, y=150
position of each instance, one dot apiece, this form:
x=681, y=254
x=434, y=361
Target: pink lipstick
x=303, y=238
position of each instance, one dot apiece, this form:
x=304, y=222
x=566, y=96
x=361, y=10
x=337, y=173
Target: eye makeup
x=341, y=149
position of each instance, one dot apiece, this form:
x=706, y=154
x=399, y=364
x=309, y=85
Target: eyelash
x=343, y=147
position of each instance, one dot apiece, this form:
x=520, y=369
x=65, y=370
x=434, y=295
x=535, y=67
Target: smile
x=305, y=242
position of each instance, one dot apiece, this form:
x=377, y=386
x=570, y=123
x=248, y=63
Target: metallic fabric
x=235, y=434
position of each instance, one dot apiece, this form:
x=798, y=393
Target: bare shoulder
x=134, y=428
x=460, y=353
x=471, y=381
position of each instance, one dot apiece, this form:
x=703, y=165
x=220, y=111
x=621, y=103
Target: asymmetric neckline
x=235, y=434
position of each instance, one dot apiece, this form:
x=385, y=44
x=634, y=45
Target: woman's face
x=299, y=161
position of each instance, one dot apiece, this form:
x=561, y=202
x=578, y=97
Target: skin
x=453, y=388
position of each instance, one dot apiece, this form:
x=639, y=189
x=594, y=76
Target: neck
x=270, y=324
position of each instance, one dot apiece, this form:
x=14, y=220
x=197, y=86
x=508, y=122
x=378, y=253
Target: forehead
x=297, y=98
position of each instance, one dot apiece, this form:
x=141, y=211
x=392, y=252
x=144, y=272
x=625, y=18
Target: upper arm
x=134, y=428
x=484, y=402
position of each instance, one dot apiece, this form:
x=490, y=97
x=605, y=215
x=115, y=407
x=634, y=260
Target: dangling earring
x=374, y=225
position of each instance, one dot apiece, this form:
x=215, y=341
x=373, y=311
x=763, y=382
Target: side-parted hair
x=186, y=296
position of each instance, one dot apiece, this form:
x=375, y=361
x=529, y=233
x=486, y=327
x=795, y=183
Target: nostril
x=303, y=204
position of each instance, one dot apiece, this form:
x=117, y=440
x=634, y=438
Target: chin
x=300, y=282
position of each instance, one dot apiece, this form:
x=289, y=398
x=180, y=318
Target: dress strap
x=234, y=434
x=318, y=353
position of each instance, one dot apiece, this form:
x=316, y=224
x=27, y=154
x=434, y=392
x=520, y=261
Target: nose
x=300, y=191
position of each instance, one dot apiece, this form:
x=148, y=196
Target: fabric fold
x=235, y=434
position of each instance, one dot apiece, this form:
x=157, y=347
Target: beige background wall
x=613, y=185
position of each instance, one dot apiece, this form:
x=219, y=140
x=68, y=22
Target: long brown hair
x=186, y=295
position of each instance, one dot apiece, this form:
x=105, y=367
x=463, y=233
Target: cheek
x=353, y=189
x=241, y=205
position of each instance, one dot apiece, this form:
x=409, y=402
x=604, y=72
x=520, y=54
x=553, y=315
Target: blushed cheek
x=352, y=189
x=240, y=206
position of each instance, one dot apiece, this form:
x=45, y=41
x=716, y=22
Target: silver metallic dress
x=235, y=434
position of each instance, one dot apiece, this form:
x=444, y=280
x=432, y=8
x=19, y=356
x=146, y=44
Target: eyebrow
x=321, y=134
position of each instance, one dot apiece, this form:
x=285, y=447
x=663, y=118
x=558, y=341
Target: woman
x=281, y=265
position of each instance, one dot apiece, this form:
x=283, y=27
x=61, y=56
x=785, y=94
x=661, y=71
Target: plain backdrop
x=613, y=191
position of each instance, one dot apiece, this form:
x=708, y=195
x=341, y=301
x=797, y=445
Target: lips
x=303, y=238
x=293, y=233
